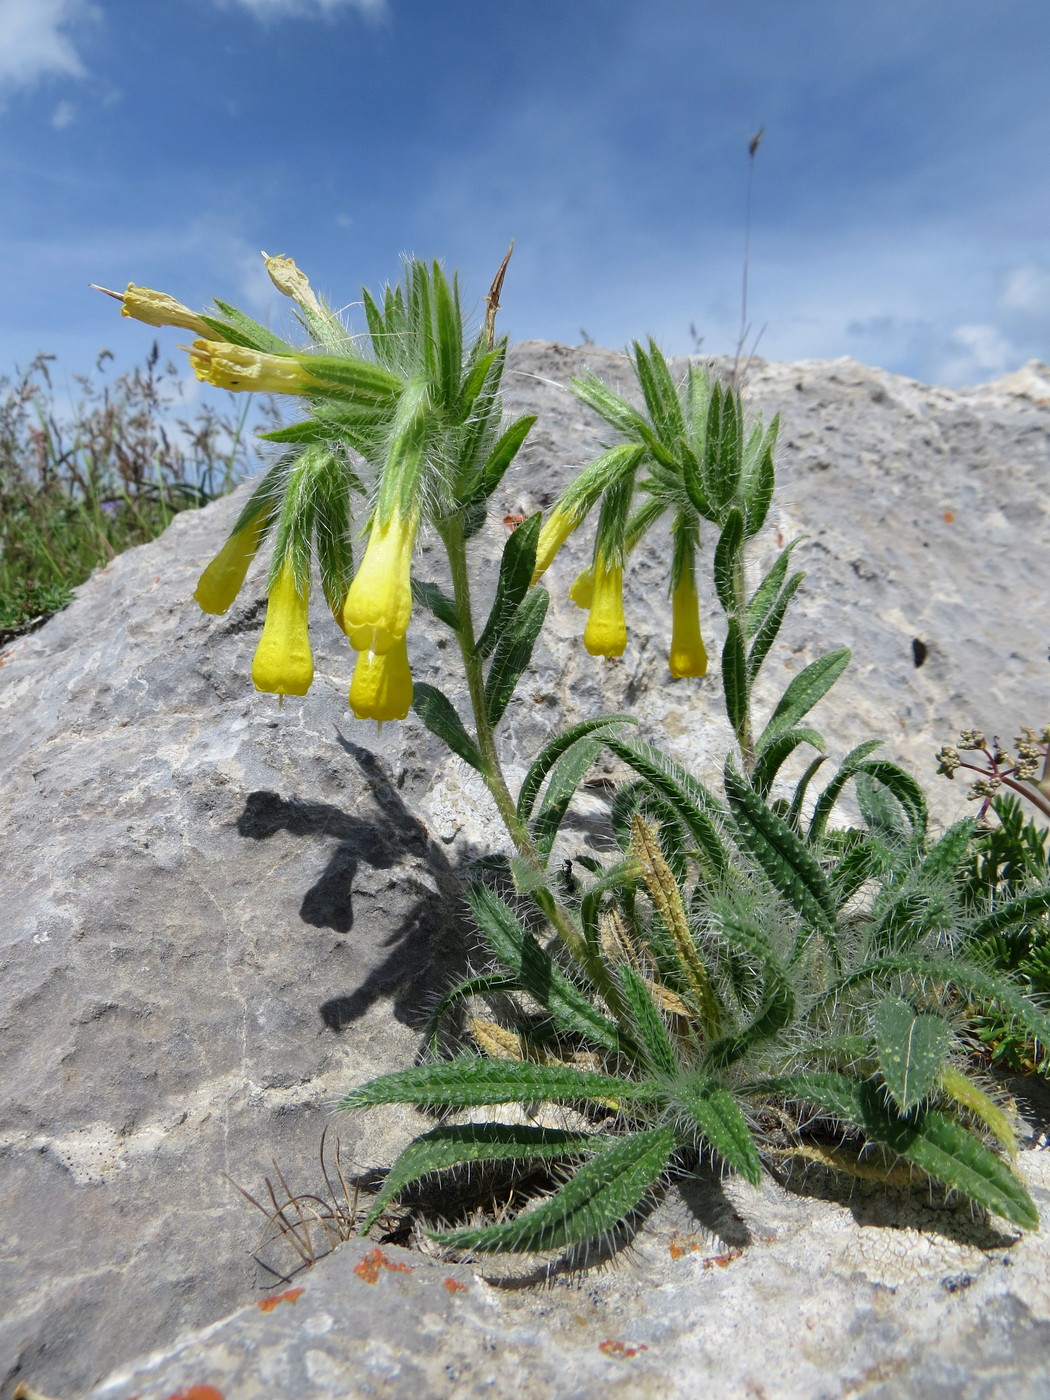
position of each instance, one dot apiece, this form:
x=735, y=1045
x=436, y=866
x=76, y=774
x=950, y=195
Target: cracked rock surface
x=221, y=914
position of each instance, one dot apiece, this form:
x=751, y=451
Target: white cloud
x=1027, y=289
x=65, y=114
x=35, y=42
x=307, y=9
x=985, y=353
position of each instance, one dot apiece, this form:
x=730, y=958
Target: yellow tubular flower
x=379, y=605
x=238, y=368
x=221, y=581
x=158, y=309
x=556, y=530
x=688, y=654
x=382, y=684
x=606, y=630
x=292, y=282
x=283, y=664
x=582, y=591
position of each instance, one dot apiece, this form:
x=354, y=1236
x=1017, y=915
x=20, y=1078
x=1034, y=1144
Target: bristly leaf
x=513, y=653
x=238, y=329
x=431, y=597
x=716, y=1114
x=827, y=799
x=775, y=754
x=566, y=776
x=776, y=1012
x=470, y=1081
x=653, y=1039
x=727, y=558
x=787, y=862
x=805, y=690
x=554, y=750
x=500, y=458
x=461, y=1144
x=1012, y=911
x=911, y=1050
x=536, y=972
x=758, y=485
x=600, y=1196
x=661, y=396
x=769, y=628
x=515, y=576
x=471, y=987
x=902, y=786
x=768, y=590
x=696, y=807
x=439, y=715
x=735, y=677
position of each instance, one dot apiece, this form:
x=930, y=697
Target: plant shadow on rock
x=423, y=948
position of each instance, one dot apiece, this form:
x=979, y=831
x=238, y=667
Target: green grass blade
x=601, y=1195
x=465, y=1144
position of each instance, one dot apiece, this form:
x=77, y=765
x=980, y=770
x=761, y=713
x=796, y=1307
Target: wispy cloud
x=306, y=9
x=65, y=114
x=36, y=42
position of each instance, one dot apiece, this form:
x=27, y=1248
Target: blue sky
x=901, y=201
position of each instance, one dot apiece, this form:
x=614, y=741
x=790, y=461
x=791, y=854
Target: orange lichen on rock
x=197, y=1392
x=721, y=1261
x=454, y=1286
x=368, y=1267
x=611, y=1348
x=288, y=1296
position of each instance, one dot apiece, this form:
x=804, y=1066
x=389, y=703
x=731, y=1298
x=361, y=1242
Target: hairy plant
x=743, y=979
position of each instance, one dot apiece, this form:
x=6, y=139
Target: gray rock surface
x=221, y=914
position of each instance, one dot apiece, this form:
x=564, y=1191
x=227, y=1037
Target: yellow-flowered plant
x=715, y=969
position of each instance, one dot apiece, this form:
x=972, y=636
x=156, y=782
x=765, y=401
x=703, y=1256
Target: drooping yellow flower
x=606, y=630
x=238, y=368
x=382, y=685
x=556, y=530
x=582, y=591
x=159, y=309
x=283, y=664
x=221, y=581
x=688, y=655
x=378, y=606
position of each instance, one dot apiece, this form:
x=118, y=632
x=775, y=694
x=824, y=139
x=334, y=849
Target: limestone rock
x=221, y=914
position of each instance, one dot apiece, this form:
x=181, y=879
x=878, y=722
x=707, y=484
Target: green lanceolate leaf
x=776, y=1012
x=614, y=409
x=695, y=806
x=723, y=448
x=793, y=815
x=431, y=597
x=600, y=1196
x=776, y=753
x=652, y=1035
x=911, y=1050
x=566, y=776
x=768, y=590
x=470, y=1081
x=1013, y=911
x=360, y=379
x=536, y=972
x=827, y=799
x=468, y=1143
x=439, y=715
x=474, y=381
x=661, y=396
x=501, y=456
x=759, y=484
x=901, y=785
x=265, y=499
x=486, y=985
x=769, y=628
x=787, y=862
x=948, y=857
x=515, y=576
x=734, y=677
x=549, y=756
x=238, y=329
x=513, y=653
x=727, y=559
x=332, y=526
x=805, y=690
x=717, y=1115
